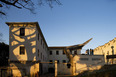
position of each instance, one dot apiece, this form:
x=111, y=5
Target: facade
x=80, y=62
x=27, y=48
x=88, y=62
x=57, y=53
x=107, y=49
x=29, y=54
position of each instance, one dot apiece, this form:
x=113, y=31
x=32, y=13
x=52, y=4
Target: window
x=50, y=61
x=57, y=61
x=50, y=52
x=22, y=50
x=64, y=61
x=22, y=31
x=75, y=52
x=96, y=59
x=38, y=52
x=63, y=53
x=38, y=36
x=83, y=58
x=41, y=41
x=43, y=45
x=70, y=52
x=41, y=55
x=57, y=52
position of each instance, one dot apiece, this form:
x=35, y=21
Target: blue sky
x=74, y=22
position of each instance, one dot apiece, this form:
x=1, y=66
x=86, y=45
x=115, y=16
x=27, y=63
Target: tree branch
x=9, y=3
x=1, y=5
x=2, y=13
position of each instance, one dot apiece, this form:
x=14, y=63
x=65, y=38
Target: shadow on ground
x=105, y=71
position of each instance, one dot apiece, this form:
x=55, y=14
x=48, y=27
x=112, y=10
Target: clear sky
x=74, y=22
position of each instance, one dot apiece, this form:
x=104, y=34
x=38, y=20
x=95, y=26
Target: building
x=108, y=50
x=81, y=62
x=29, y=54
x=27, y=47
x=57, y=53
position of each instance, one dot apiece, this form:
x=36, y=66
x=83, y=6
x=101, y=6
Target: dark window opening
x=71, y=52
x=22, y=50
x=50, y=52
x=75, y=52
x=41, y=41
x=64, y=61
x=50, y=61
x=38, y=52
x=63, y=52
x=43, y=46
x=84, y=59
x=22, y=31
x=38, y=36
x=57, y=52
x=57, y=61
x=41, y=55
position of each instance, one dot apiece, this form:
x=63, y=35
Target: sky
x=73, y=22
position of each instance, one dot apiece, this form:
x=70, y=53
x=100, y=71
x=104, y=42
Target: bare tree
x=27, y=4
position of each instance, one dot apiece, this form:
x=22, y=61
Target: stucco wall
x=32, y=45
x=88, y=62
x=29, y=41
x=106, y=50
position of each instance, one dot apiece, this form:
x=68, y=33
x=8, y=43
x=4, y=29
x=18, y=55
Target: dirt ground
x=52, y=75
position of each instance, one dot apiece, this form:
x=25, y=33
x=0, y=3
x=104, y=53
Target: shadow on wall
x=24, y=63
x=87, y=62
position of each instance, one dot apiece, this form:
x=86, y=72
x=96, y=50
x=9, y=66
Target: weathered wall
x=107, y=50
x=29, y=41
x=35, y=49
x=88, y=62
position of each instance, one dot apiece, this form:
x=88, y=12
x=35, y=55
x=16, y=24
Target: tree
x=27, y=4
x=4, y=54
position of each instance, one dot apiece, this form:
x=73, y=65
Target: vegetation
x=4, y=54
x=26, y=4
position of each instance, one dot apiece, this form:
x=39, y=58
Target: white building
x=29, y=52
x=81, y=62
x=108, y=50
x=27, y=47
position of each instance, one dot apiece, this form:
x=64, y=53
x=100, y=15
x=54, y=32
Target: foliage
x=27, y=4
x=4, y=54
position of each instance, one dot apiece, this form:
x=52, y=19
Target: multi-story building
x=108, y=50
x=27, y=47
x=29, y=54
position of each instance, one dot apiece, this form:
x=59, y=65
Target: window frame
x=63, y=53
x=50, y=53
x=22, y=31
x=38, y=36
x=63, y=61
x=50, y=61
x=22, y=50
x=57, y=52
x=75, y=52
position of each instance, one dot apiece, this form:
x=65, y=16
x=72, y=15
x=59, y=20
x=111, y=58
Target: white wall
x=28, y=60
x=106, y=50
x=88, y=62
